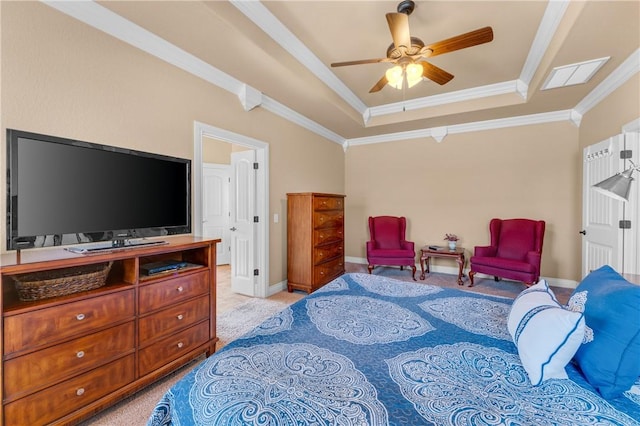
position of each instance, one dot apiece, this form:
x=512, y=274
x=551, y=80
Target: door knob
x=583, y=232
x=233, y=229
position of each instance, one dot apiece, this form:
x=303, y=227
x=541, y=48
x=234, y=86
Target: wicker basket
x=60, y=282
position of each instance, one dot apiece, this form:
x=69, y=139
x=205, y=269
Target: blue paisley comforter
x=370, y=350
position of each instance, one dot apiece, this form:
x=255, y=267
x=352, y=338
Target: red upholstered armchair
x=515, y=251
x=388, y=245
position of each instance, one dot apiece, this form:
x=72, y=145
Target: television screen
x=63, y=191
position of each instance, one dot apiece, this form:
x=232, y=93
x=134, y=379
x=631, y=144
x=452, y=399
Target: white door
x=242, y=203
x=215, y=205
x=631, y=261
x=602, y=242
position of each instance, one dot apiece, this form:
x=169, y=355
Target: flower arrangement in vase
x=452, y=239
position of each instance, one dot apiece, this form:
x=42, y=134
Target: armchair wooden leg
x=413, y=268
x=496, y=279
x=471, y=274
x=370, y=268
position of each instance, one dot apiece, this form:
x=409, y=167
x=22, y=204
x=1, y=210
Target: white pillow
x=547, y=335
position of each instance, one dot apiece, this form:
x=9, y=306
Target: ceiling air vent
x=569, y=75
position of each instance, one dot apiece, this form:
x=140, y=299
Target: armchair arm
x=534, y=258
x=407, y=245
x=485, y=251
x=371, y=245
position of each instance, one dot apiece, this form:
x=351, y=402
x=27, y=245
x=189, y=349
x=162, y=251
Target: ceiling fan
x=407, y=52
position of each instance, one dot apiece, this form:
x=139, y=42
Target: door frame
x=201, y=130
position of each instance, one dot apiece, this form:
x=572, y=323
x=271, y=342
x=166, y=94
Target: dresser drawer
x=326, y=236
x=36, y=370
x=325, y=272
x=323, y=253
x=328, y=203
x=43, y=326
x=170, y=348
x=328, y=219
x=174, y=290
x=172, y=319
x=59, y=400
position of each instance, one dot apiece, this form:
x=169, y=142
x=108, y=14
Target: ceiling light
x=395, y=76
x=414, y=74
x=569, y=75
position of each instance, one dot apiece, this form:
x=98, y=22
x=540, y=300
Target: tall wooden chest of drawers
x=315, y=239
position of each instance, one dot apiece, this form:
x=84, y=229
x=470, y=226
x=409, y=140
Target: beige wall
x=458, y=185
x=607, y=118
x=63, y=78
x=215, y=151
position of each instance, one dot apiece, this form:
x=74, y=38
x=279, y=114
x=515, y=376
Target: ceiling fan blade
x=435, y=74
x=399, y=27
x=360, y=62
x=473, y=38
x=379, y=85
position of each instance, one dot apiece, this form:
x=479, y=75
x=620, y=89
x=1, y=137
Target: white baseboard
x=453, y=270
x=277, y=288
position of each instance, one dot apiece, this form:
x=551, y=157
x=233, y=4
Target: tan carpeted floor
x=238, y=314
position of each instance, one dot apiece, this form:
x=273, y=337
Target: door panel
x=242, y=208
x=215, y=215
x=602, y=242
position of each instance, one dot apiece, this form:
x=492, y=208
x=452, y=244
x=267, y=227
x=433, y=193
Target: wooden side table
x=426, y=253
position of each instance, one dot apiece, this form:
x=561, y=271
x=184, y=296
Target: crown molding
x=546, y=31
x=101, y=18
x=439, y=133
x=617, y=78
x=632, y=126
x=489, y=90
x=263, y=18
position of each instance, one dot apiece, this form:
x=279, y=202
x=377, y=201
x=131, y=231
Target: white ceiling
x=277, y=55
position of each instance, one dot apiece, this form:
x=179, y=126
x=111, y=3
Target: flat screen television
x=63, y=192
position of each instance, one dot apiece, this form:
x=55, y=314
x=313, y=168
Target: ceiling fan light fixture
x=395, y=76
x=414, y=74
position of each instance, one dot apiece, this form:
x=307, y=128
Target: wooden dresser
x=68, y=357
x=315, y=239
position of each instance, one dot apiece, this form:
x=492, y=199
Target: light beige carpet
x=135, y=410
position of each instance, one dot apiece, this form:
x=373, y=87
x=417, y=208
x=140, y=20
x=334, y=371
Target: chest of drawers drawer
x=172, y=319
x=25, y=374
x=57, y=323
x=168, y=292
x=327, y=236
x=172, y=347
x=324, y=253
x=328, y=219
x=48, y=405
x=325, y=272
x=328, y=203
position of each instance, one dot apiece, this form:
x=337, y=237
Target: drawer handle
x=321, y=272
x=80, y=354
x=180, y=289
x=180, y=344
x=80, y=392
x=180, y=317
x=80, y=317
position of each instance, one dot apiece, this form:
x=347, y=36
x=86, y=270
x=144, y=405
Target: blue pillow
x=611, y=361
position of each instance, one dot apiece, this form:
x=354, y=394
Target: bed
x=371, y=350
